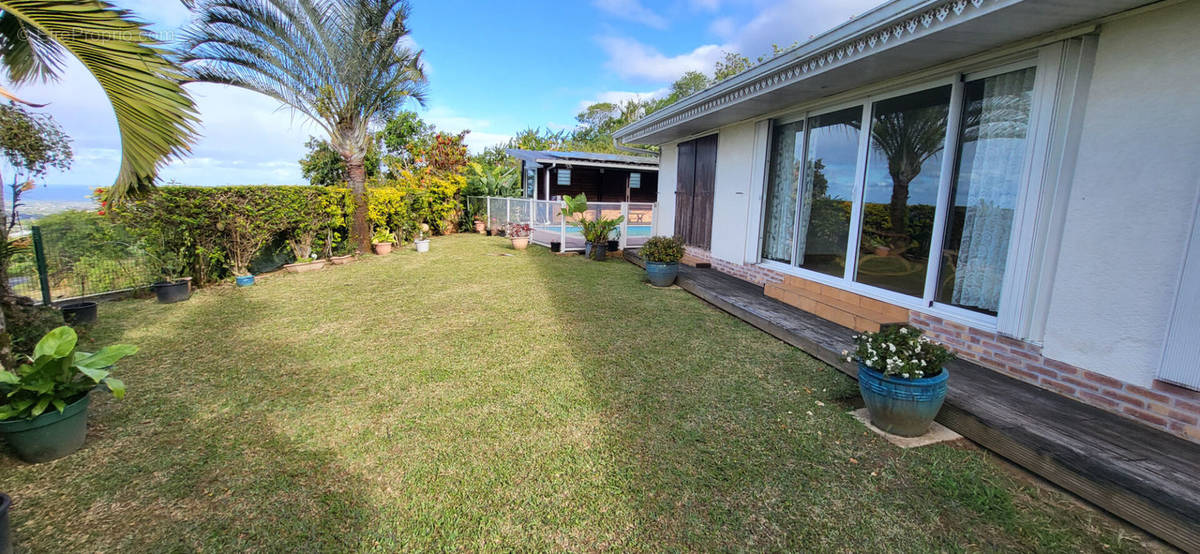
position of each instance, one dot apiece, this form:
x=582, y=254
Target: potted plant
x=519, y=234
x=80, y=313
x=342, y=260
x=422, y=243
x=382, y=240
x=301, y=242
x=902, y=378
x=495, y=227
x=480, y=225
x=44, y=411
x=662, y=255
x=170, y=285
x=596, y=231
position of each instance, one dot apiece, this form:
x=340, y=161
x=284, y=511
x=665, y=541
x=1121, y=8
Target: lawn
x=466, y=399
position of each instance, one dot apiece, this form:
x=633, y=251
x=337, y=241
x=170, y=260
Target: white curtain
x=780, y=217
x=992, y=182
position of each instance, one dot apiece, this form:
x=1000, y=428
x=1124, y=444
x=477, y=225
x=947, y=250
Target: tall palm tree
x=343, y=63
x=154, y=115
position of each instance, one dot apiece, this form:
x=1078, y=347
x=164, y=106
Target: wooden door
x=685, y=177
x=696, y=174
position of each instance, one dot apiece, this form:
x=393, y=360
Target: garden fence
x=551, y=229
x=54, y=267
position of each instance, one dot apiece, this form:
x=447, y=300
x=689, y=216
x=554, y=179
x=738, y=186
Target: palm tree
x=154, y=115
x=343, y=63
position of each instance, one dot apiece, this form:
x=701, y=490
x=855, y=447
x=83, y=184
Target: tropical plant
x=344, y=64
x=595, y=230
x=57, y=375
x=900, y=351
x=518, y=230
x=383, y=236
x=665, y=250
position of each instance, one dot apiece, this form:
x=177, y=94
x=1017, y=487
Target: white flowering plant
x=900, y=351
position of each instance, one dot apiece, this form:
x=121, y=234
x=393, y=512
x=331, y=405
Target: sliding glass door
x=863, y=211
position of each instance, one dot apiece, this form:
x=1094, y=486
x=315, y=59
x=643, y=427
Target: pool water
x=633, y=230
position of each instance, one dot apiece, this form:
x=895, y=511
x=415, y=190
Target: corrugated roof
x=581, y=157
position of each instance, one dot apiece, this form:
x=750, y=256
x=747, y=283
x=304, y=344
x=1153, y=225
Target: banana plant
x=57, y=374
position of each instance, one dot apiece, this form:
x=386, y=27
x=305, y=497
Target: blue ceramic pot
x=662, y=274
x=245, y=280
x=904, y=407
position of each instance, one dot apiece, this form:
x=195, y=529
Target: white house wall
x=664, y=222
x=1133, y=196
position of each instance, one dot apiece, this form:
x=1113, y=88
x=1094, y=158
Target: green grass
x=466, y=400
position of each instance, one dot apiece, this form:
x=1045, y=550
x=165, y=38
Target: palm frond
x=156, y=117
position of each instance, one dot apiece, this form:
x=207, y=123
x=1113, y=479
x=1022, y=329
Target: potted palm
x=43, y=414
x=422, y=242
x=901, y=378
x=662, y=255
x=519, y=233
x=382, y=240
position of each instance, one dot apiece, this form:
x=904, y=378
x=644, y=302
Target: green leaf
x=41, y=405
x=107, y=356
x=57, y=343
x=96, y=375
x=58, y=404
x=8, y=378
x=116, y=386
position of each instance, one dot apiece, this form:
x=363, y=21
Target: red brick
x=1032, y=377
x=1079, y=383
x=1145, y=416
x=1042, y=371
x=1187, y=406
x=1011, y=342
x=1096, y=399
x=1026, y=355
x=1061, y=388
x=1186, y=418
x=1102, y=379
x=1123, y=398
x=1061, y=367
x=1176, y=391
x=1147, y=393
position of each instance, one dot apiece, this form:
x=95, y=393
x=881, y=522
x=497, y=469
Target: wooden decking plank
x=1146, y=476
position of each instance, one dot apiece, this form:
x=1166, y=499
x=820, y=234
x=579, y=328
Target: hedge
x=212, y=233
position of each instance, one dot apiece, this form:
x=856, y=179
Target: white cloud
x=788, y=21
x=633, y=60
x=724, y=27
x=632, y=10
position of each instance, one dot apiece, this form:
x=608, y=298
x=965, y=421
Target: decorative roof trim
x=941, y=15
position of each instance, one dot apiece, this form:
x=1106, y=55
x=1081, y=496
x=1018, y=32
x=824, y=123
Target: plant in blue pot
x=902, y=378
x=44, y=401
x=662, y=255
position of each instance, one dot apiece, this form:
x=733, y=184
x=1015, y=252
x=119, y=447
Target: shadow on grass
x=194, y=462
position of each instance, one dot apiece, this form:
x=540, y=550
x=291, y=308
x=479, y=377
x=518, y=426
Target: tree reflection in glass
x=908, y=134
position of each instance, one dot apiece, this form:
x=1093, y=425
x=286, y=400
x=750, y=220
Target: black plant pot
x=79, y=313
x=5, y=537
x=555, y=246
x=172, y=292
x=614, y=245
x=600, y=251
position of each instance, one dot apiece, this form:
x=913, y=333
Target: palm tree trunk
x=360, y=229
x=898, y=211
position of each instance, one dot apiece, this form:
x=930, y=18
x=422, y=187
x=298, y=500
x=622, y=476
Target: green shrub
x=666, y=250
x=27, y=322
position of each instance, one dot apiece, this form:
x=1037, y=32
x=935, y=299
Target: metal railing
x=59, y=266
x=552, y=230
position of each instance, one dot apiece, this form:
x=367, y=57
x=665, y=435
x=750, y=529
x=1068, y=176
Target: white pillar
x=624, y=224
x=562, y=233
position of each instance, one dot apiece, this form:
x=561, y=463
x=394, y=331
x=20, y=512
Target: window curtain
x=993, y=180
x=780, y=217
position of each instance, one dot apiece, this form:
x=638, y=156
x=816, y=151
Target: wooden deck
x=1145, y=476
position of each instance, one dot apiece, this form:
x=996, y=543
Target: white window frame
x=1013, y=290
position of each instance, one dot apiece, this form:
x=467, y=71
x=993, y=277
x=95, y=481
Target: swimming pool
x=633, y=230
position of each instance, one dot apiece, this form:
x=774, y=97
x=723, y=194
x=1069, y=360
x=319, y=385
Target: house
x=1019, y=178
x=550, y=175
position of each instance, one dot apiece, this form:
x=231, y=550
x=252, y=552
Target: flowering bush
x=518, y=230
x=900, y=351
x=663, y=250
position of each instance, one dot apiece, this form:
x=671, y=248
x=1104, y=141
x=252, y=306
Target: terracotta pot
x=480, y=227
x=382, y=248
x=519, y=243
x=342, y=260
x=882, y=251
x=303, y=267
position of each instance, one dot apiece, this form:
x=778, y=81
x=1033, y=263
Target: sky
x=494, y=68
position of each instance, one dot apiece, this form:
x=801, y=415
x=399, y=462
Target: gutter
x=617, y=144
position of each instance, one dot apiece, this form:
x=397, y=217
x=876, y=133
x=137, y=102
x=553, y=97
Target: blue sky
x=494, y=68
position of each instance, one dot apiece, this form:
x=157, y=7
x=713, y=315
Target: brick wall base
x=1173, y=409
